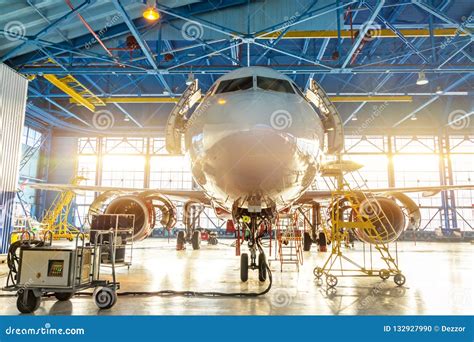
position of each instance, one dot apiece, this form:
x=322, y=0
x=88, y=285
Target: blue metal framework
x=352, y=48
x=357, y=60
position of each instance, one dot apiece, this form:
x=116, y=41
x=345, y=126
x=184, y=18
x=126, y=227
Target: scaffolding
x=362, y=218
x=56, y=218
x=289, y=240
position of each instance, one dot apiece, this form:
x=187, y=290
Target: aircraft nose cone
x=257, y=162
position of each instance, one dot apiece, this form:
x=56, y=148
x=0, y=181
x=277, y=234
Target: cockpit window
x=274, y=84
x=235, y=85
x=298, y=90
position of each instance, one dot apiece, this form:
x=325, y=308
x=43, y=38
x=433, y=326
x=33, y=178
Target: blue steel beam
x=453, y=54
x=305, y=17
x=204, y=23
x=64, y=49
x=303, y=69
x=140, y=23
x=405, y=58
x=433, y=99
x=442, y=16
x=143, y=45
x=282, y=33
x=43, y=115
x=37, y=10
x=375, y=44
x=398, y=33
x=54, y=103
x=116, y=104
x=294, y=56
x=363, y=32
x=45, y=30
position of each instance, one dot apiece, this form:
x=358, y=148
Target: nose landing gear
x=253, y=236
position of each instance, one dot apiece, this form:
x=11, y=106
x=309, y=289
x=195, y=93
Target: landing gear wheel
x=307, y=241
x=180, y=241
x=331, y=280
x=27, y=304
x=384, y=274
x=399, y=279
x=244, y=267
x=105, y=297
x=196, y=240
x=318, y=272
x=262, y=267
x=63, y=296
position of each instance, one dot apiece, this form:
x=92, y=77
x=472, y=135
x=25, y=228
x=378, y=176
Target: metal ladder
x=289, y=241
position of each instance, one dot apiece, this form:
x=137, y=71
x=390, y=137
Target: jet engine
x=148, y=207
x=388, y=215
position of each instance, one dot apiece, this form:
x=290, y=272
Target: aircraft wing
x=177, y=195
x=426, y=190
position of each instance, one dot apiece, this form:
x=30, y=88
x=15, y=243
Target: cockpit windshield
x=274, y=84
x=235, y=84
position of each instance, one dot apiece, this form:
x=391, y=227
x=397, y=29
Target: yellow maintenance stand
x=338, y=264
x=56, y=218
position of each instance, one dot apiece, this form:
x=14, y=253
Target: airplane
x=256, y=144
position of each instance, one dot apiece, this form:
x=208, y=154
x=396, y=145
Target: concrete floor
x=440, y=281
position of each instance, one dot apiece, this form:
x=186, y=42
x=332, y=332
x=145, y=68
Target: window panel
x=123, y=171
x=236, y=84
x=274, y=84
x=170, y=172
x=415, y=171
x=373, y=174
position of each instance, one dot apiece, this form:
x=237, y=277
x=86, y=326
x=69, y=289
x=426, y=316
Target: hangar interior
x=103, y=80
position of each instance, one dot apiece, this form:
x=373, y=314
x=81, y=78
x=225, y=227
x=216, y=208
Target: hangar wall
x=143, y=162
x=13, y=90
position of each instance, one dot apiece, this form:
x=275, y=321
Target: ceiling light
x=151, y=13
x=190, y=79
x=439, y=91
x=126, y=118
x=422, y=80
x=354, y=118
x=413, y=118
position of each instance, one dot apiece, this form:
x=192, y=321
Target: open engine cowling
x=148, y=207
x=386, y=216
x=385, y=213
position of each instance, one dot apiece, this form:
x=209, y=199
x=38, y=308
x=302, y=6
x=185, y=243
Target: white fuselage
x=254, y=145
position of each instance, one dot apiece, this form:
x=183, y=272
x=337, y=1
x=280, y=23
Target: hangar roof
x=366, y=54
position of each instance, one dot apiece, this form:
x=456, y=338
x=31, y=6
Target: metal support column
x=448, y=210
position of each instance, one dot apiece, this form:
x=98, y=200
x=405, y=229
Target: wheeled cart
x=37, y=269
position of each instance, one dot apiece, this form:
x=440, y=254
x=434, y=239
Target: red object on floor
x=230, y=228
x=204, y=236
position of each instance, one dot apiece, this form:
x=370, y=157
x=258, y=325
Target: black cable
x=186, y=293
